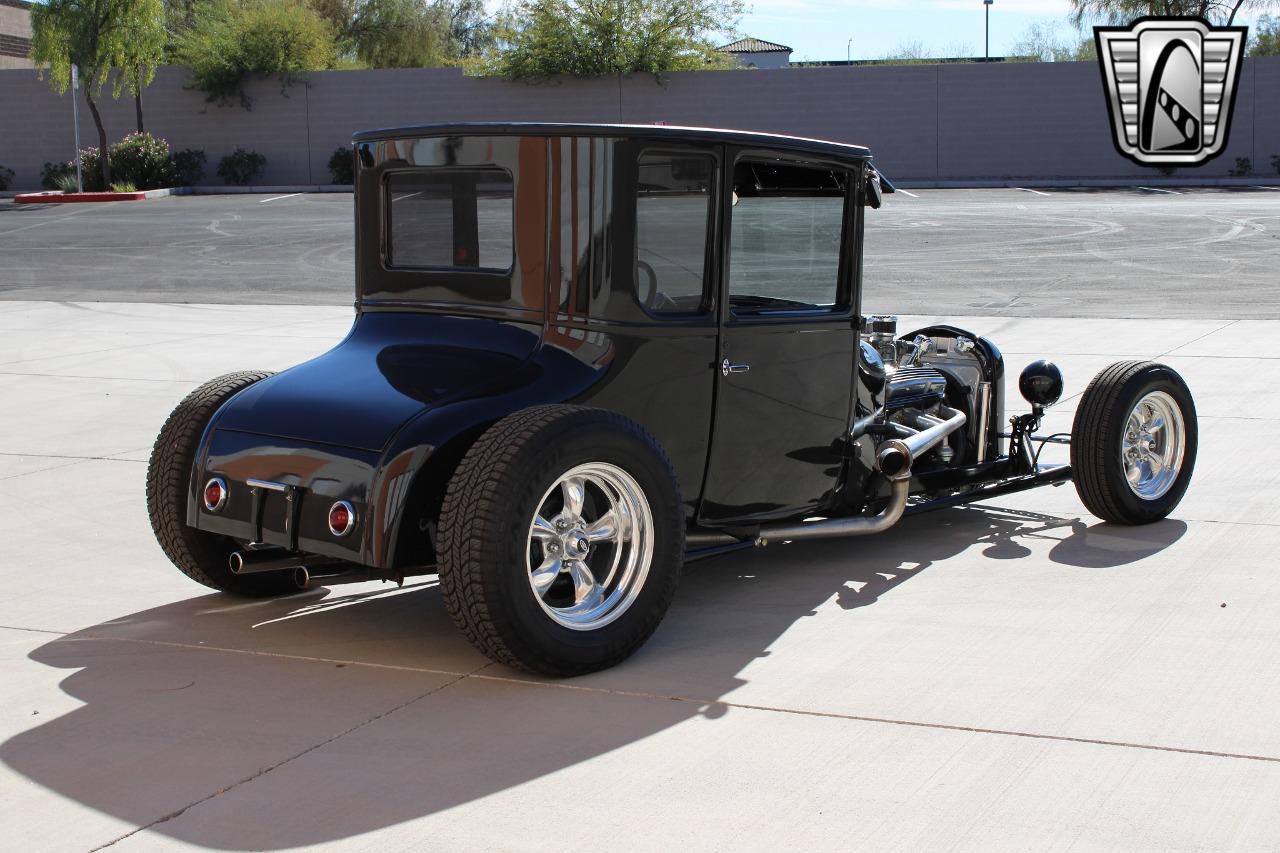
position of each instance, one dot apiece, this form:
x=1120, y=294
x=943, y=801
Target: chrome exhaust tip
x=894, y=459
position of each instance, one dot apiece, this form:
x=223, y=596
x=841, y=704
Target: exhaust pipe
x=311, y=570
x=859, y=525
x=897, y=455
x=274, y=560
x=255, y=562
x=894, y=461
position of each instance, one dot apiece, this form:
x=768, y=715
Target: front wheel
x=561, y=540
x=1133, y=443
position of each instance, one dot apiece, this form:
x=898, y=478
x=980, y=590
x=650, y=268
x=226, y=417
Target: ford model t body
x=585, y=355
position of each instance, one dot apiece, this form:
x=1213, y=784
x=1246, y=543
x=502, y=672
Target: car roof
x=823, y=147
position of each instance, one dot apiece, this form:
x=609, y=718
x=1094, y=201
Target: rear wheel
x=1133, y=443
x=198, y=554
x=561, y=540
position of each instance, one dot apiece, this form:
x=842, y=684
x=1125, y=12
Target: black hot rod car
x=584, y=355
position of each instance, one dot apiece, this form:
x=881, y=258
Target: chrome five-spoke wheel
x=1133, y=442
x=590, y=546
x=561, y=539
x=1153, y=445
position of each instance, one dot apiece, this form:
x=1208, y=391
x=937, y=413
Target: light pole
x=75, y=121
x=986, y=4
x=848, y=52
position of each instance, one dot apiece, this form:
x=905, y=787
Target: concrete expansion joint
x=264, y=771
x=703, y=703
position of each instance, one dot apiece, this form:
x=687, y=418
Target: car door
x=787, y=342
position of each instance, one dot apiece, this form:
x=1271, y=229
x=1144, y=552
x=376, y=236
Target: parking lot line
x=1029, y=190
x=277, y=198
x=904, y=192
x=1158, y=190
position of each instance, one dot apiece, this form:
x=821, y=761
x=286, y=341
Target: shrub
x=142, y=160
x=241, y=167
x=52, y=173
x=237, y=41
x=342, y=165
x=90, y=170
x=66, y=182
x=6, y=177
x=1244, y=166
x=188, y=167
x=123, y=187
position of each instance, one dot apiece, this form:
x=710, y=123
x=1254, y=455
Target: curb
x=57, y=197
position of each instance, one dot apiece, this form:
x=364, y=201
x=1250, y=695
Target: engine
x=915, y=376
x=915, y=387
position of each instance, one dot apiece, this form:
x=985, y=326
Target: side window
x=673, y=207
x=450, y=218
x=787, y=226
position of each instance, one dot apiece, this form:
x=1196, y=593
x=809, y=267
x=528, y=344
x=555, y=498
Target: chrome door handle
x=727, y=367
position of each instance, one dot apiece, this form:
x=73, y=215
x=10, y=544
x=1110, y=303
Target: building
x=749, y=52
x=15, y=34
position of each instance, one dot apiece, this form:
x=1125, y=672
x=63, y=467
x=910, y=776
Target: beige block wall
x=998, y=122
x=15, y=21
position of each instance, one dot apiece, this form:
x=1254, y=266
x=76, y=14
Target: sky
x=821, y=29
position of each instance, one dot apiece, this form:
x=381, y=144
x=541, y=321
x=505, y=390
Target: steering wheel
x=654, y=299
x=651, y=291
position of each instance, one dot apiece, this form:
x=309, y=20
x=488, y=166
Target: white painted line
x=1158, y=190
x=277, y=198
x=1028, y=190
x=1266, y=188
x=904, y=192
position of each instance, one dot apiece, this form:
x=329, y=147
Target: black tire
x=484, y=541
x=1098, y=432
x=198, y=554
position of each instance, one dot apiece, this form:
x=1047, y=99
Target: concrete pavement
x=1014, y=676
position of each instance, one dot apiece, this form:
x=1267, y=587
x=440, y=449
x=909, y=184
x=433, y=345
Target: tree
x=1124, y=11
x=148, y=40
x=471, y=29
x=407, y=33
x=235, y=41
x=123, y=39
x=400, y=34
x=907, y=53
x=1041, y=42
x=1266, y=37
x=588, y=38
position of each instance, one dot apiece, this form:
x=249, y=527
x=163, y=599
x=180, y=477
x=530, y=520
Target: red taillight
x=215, y=494
x=342, y=517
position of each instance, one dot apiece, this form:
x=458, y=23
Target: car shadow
x=273, y=715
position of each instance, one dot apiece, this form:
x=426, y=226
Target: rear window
x=450, y=219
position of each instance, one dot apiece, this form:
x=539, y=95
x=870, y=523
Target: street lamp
x=986, y=4
x=848, y=52
x=75, y=121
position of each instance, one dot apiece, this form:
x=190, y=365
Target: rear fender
x=419, y=461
